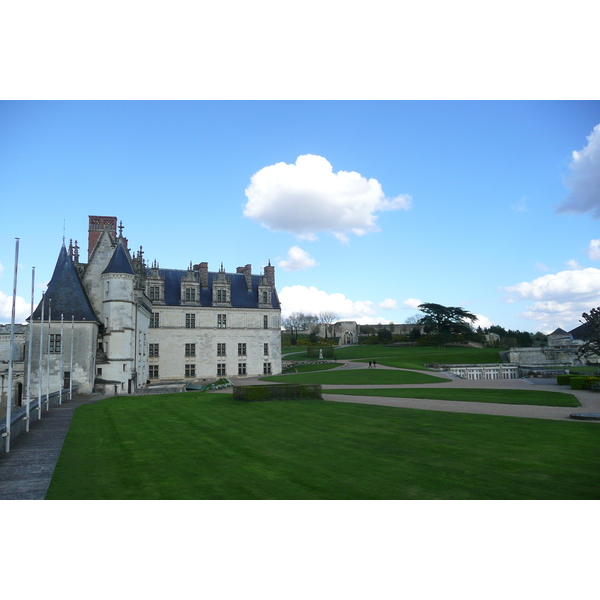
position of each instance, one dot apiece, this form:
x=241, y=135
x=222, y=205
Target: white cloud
x=412, y=303
x=584, y=179
x=22, y=309
x=582, y=283
x=541, y=266
x=1, y=269
x=594, y=250
x=560, y=298
x=297, y=259
x=482, y=322
x=307, y=198
x=310, y=300
x=388, y=304
x=573, y=264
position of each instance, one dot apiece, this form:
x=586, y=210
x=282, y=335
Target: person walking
x=374, y=363
x=369, y=364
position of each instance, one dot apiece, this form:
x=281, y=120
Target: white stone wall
x=244, y=326
x=84, y=356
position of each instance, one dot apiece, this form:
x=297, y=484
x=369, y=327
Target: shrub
x=261, y=393
x=563, y=379
x=583, y=383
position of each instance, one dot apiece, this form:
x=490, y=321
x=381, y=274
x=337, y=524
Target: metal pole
x=12, y=350
x=71, y=371
x=41, y=362
x=62, y=364
x=48, y=357
x=29, y=350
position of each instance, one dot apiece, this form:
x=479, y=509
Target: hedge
x=583, y=383
x=563, y=379
x=292, y=391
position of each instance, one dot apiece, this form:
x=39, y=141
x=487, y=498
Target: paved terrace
x=25, y=472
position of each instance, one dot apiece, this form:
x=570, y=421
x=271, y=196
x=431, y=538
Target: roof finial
x=121, y=229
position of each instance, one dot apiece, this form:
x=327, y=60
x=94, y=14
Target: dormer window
x=221, y=295
x=154, y=293
x=190, y=295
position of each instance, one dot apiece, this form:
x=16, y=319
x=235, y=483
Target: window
x=125, y=367
x=265, y=297
x=266, y=322
x=221, y=350
x=55, y=343
x=99, y=372
x=190, y=295
x=266, y=349
x=266, y=368
x=221, y=295
x=241, y=368
x=190, y=321
x=190, y=349
x=221, y=321
x=153, y=371
x=154, y=320
x=152, y=349
x=221, y=372
x=241, y=349
x=190, y=370
x=154, y=292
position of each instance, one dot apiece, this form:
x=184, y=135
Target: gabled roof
x=119, y=262
x=582, y=332
x=559, y=331
x=66, y=293
x=240, y=296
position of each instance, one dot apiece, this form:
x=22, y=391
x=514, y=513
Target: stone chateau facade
x=128, y=324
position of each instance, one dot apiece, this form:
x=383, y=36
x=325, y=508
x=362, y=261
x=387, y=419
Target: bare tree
x=327, y=319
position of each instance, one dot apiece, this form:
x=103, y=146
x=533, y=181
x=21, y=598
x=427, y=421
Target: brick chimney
x=247, y=271
x=270, y=274
x=96, y=226
x=203, y=269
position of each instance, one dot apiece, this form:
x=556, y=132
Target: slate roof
x=67, y=294
x=582, y=332
x=119, y=262
x=240, y=296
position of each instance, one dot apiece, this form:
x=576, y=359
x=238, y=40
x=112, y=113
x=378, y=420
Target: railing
x=18, y=421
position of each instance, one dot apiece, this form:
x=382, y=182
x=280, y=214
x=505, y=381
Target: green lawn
x=357, y=377
x=208, y=446
x=413, y=357
x=531, y=397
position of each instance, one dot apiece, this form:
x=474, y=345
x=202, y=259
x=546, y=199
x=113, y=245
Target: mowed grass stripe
x=208, y=446
x=528, y=397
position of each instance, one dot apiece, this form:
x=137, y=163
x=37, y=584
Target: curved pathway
x=590, y=401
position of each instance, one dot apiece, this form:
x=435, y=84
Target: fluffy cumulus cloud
x=412, y=303
x=560, y=298
x=310, y=300
x=594, y=250
x=307, y=198
x=482, y=322
x=584, y=179
x=22, y=309
x=297, y=259
x=388, y=304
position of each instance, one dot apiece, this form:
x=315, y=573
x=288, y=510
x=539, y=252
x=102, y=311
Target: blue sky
x=364, y=207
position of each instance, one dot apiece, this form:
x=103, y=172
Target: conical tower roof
x=119, y=262
x=66, y=292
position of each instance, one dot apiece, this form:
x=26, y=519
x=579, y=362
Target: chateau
x=127, y=325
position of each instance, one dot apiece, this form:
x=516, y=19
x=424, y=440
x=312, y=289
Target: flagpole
x=62, y=364
x=41, y=362
x=29, y=350
x=12, y=350
x=48, y=357
x=71, y=371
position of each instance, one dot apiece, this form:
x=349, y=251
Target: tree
x=384, y=336
x=592, y=336
x=326, y=319
x=445, y=320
